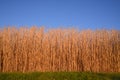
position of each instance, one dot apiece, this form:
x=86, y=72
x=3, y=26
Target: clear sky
x=85, y=14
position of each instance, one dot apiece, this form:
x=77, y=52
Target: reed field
x=59, y=50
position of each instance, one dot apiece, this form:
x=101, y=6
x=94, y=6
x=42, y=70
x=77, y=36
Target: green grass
x=60, y=76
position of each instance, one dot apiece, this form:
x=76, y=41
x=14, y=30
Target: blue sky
x=83, y=14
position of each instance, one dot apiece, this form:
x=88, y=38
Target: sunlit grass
x=60, y=76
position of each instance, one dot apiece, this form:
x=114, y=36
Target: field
x=60, y=76
x=55, y=50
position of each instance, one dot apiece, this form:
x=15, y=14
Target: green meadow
x=60, y=76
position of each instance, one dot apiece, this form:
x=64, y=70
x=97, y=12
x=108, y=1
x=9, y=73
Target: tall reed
x=36, y=49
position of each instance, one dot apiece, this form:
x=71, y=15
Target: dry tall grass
x=34, y=49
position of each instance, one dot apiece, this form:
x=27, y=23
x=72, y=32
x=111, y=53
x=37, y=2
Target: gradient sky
x=83, y=14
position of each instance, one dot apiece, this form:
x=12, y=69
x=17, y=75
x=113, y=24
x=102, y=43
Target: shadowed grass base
x=60, y=76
